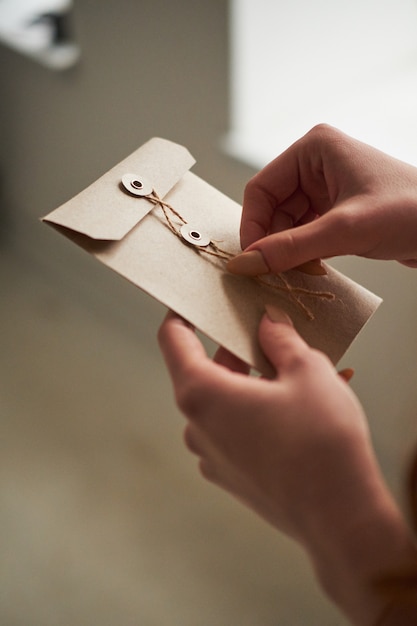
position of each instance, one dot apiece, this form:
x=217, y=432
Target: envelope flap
x=106, y=211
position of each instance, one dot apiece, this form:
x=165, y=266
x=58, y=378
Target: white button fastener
x=194, y=236
x=137, y=185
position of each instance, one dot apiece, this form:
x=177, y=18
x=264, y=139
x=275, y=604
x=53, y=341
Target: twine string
x=214, y=250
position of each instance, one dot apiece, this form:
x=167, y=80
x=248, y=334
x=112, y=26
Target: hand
x=328, y=195
x=296, y=450
x=254, y=436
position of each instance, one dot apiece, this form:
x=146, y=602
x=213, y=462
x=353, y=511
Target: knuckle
x=322, y=131
x=293, y=351
x=350, y=222
x=301, y=357
x=207, y=471
x=325, y=139
x=290, y=244
x=192, y=394
x=191, y=440
x=318, y=359
x=188, y=398
x=284, y=255
x=250, y=192
x=297, y=359
x=251, y=184
x=345, y=221
x=255, y=190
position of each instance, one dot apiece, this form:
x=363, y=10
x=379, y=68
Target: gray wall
x=147, y=68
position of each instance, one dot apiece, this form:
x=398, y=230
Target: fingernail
x=248, y=263
x=312, y=268
x=347, y=374
x=277, y=315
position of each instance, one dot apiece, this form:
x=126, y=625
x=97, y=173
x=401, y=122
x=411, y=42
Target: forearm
x=368, y=565
x=400, y=612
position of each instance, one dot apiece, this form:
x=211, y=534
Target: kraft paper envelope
x=132, y=235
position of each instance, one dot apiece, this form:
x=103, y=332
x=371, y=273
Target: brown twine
x=293, y=292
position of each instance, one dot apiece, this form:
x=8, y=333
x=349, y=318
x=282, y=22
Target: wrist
x=358, y=549
x=356, y=574
x=400, y=611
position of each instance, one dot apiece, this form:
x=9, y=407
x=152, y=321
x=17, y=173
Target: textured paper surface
x=131, y=236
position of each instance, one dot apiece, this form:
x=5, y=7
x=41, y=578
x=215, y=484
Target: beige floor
x=104, y=518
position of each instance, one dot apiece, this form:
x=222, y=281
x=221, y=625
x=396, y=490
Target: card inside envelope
x=131, y=235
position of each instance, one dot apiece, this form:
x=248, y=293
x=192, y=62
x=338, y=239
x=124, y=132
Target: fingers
x=230, y=361
x=322, y=238
x=296, y=208
x=198, y=443
x=180, y=347
x=276, y=185
x=287, y=351
x=280, y=342
x=410, y=263
x=193, y=439
x=347, y=374
x=292, y=189
x=283, y=251
x=183, y=351
x=289, y=354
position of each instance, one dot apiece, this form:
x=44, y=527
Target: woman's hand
x=296, y=450
x=269, y=441
x=328, y=195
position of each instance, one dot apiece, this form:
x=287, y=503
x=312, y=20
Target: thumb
x=322, y=238
x=280, y=342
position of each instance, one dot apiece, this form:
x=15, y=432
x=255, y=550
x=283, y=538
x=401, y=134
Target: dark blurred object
x=59, y=25
x=44, y=35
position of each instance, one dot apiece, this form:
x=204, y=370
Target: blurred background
x=103, y=516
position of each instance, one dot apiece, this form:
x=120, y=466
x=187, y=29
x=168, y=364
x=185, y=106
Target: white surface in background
x=295, y=64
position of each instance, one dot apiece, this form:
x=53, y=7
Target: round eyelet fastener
x=194, y=236
x=136, y=185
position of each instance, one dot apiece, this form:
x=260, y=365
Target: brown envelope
x=131, y=235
